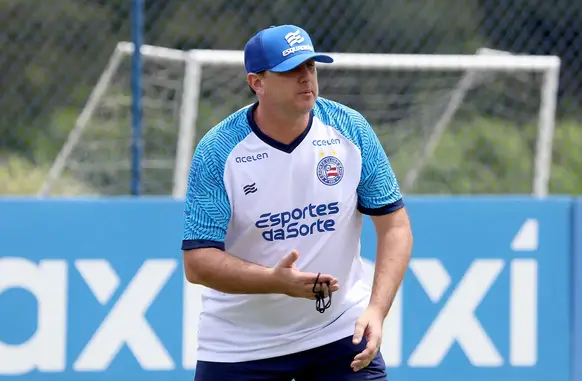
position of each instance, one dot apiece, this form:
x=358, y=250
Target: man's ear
x=255, y=82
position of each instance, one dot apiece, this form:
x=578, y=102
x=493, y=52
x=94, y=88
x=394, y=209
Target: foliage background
x=54, y=51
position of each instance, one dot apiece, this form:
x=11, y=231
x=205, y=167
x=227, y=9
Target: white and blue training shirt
x=259, y=199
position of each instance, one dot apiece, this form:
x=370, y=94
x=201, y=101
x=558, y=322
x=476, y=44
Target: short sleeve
x=207, y=209
x=378, y=190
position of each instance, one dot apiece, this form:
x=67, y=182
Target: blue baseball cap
x=279, y=49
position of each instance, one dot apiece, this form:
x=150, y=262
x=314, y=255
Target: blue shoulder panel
x=378, y=191
x=207, y=209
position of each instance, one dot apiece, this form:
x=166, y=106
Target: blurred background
x=54, y=53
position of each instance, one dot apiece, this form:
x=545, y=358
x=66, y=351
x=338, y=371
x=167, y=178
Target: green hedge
x=493, y=156
x=483, y=156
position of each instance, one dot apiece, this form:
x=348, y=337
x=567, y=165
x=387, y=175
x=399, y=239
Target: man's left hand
x=369, y=325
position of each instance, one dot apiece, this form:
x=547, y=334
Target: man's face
x=295, y=90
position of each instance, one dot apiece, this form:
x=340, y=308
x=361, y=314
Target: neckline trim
x=287, y=148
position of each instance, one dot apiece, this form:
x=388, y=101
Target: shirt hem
x=283, y=351
x=320, y=338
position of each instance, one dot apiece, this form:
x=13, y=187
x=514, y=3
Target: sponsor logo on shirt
x=250, y=188
x=298, y=222
x=251, y=158
x=325, y=142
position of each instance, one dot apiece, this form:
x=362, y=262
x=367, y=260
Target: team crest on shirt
x=330, y=170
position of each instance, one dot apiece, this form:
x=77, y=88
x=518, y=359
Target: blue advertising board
x=94, y=290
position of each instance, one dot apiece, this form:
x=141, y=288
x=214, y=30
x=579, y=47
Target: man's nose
x=303, y=72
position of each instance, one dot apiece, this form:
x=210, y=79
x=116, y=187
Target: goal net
x=451, y=124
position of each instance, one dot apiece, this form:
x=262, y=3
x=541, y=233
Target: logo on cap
x=294, y=38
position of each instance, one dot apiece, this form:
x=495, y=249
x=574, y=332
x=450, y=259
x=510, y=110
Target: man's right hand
x=293, y=282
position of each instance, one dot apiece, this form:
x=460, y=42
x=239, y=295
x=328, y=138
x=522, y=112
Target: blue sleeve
x=378, y=190
x=207, y=208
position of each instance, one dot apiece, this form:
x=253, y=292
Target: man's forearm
x=392, y=258
x=226, y=273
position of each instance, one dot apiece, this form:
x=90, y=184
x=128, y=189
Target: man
x=273, y=219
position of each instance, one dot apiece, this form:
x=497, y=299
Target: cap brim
x=297, y=60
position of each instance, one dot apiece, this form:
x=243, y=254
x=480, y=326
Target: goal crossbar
x=371, y=60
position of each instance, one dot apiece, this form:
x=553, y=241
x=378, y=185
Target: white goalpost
x=416, y=103
x=469, y=80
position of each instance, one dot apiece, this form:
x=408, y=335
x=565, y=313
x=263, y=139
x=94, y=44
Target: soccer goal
x=461, y=124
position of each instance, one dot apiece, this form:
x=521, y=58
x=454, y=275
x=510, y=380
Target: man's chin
x=306, y=102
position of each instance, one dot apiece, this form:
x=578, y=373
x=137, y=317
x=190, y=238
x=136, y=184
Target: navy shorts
x=330, y=362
